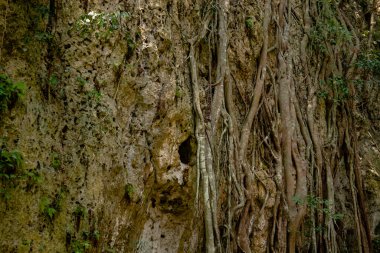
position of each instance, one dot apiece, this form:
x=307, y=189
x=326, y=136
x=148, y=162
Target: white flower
x=87, y=20
x=93, y=14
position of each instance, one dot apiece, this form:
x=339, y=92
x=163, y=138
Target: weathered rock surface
x=107, y=121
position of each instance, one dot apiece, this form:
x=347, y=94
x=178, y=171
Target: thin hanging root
x=216, y=106
x=366, y=234
x=245, y=220
x=218, y=98
x=259, y=84
x=213, y=192
x=229, y=196
x=206, y=174
x=293, y=164
x=353, y=193
x=364, y=241
x=201, y=155
x=331, y=235
x=198, y=180
x=261, y=212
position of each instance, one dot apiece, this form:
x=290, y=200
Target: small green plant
x=101, y=25
x=322, y=205
x=131, y=44
x=95, y=94
x=80, y=246
x=178, y=92
x=11, y=162
x=47, y=208
x=5, y=194
x=39, y=13
x=340, y=88
x=358, y=82
x=53, y=80
x=335, y=89
x=10, y=92
x=50, y=207
x=129, y=192
x=13, y=173
x=38, y=17
x=249, y=23
x=297, y=200
x=369, y=62
x=81, y=81
x=11, y=165
x=85, y=241
x=96, y=235
x=327, y=30
x=55, y=161
x=323, y=94
x=32, y=178
x=337, y=216
x=80, y=213
x=43, y=36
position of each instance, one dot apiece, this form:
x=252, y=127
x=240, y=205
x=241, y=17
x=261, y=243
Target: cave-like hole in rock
x=185, y=151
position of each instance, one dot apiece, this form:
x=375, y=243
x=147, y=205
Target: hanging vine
x=306, y=145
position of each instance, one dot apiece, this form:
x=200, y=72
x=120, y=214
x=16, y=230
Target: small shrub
x=322, y=205
x=80, y=246
x=11, y=162
x=10, y=92
x=84, y=242
x=370, y=62
x=327, y=30
x=335, y=89
x=101, y=25
x=13, y=173
x=340, y=88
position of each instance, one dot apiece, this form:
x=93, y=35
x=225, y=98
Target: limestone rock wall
x=106, y=123
x=106, y=113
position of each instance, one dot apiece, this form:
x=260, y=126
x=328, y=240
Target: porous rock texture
x=114, y=120
x=108, y=122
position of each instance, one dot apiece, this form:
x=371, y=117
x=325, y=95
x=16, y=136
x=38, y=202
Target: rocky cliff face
x=110, y=139
x=104, y=121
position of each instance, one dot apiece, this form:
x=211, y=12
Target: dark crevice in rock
x=185, y=151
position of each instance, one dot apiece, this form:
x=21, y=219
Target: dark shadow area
x=185, y=151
